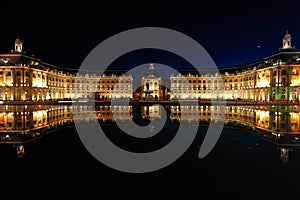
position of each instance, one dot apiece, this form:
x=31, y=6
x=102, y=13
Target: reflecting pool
x=258, y=150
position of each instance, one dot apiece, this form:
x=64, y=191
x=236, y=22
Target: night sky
x=231, y=31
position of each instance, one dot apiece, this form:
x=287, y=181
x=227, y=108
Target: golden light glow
x=40, y=118
x=262, y=118
x=263, y=83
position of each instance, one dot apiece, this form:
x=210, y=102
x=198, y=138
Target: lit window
x=295, y=71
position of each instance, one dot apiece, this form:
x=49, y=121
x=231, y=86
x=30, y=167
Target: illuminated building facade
x=26, y=78
x=111, y=85
x=275, y=78
x=151, y=84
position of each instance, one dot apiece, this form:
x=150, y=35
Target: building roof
x=20, y=59
x=18, y=41
x=289, y=55
x=287, y=36
x=151, y=73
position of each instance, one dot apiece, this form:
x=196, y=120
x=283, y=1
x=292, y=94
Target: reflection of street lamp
x=6, y=96
x=25, y=96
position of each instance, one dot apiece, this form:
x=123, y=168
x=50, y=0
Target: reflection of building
x=284, y=155
x=20, y=151
x=276, y=124
x=20, y=124
x=278, y=120
x=31, y=118
x=151, y=111
x=23, y=118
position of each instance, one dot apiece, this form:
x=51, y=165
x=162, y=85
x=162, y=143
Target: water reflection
x=20, y=151
x=21, y=124
x=279, y=125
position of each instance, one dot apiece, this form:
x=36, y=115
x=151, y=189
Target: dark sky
x=231, y=31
